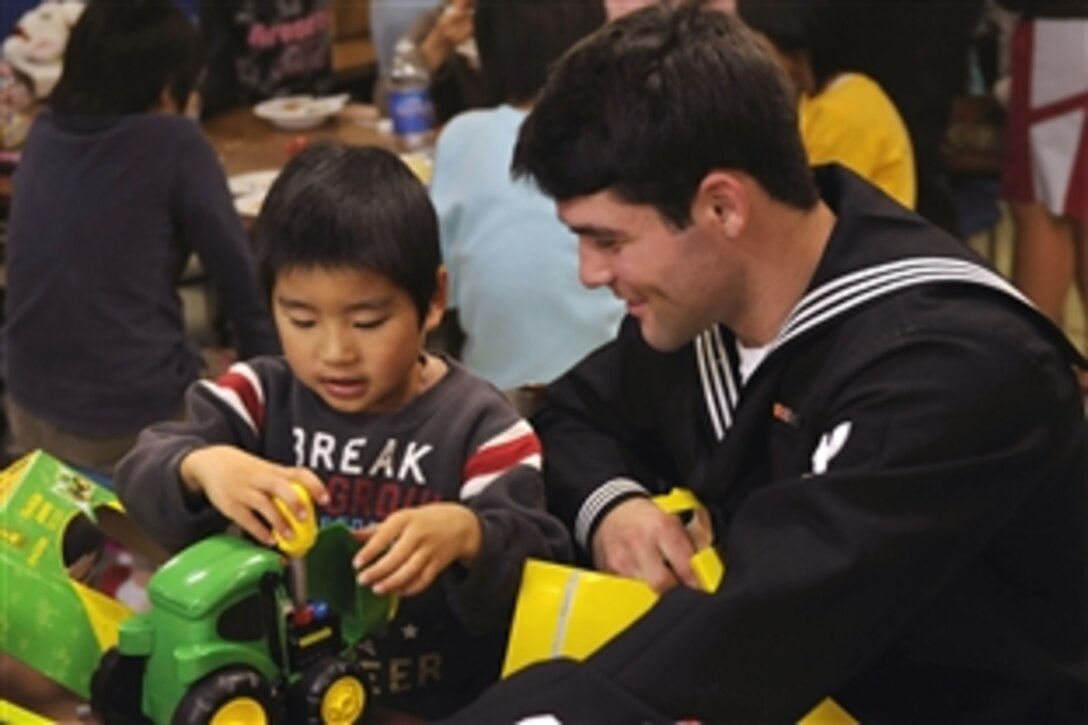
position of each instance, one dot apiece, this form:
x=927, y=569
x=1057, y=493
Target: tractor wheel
x=231, y=695
x=331, y=692
x=115, y=688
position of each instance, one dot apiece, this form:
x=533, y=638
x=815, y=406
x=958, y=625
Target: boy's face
x=352, y=336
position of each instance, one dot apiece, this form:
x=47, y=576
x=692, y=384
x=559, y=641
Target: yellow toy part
x=304, y=531
x=12, y=713
x=103, y=614
x=344, y=702
x=828, y=712
x=565, y=611
x=707, y=565
x=240, y=710
x=677, y=501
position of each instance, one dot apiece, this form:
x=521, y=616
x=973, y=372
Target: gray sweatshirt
x=458, y=441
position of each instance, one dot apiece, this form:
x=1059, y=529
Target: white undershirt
x=750, y=358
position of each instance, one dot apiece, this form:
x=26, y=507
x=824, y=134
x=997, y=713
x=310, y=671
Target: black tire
x=222, y=688
x=310, y=694
x=116, y=686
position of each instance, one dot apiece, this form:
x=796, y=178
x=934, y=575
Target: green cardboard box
x=52, y=522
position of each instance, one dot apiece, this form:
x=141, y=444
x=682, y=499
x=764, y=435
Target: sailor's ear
x=722, y=201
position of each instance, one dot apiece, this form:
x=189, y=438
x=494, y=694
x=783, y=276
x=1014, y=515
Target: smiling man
x=889, y=438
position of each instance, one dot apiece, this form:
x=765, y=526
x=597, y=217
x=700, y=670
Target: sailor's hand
x=637, y=539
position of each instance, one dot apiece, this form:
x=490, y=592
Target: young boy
x=434, y=469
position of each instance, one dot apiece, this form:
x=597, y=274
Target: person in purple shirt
x=263, y=48
x=116, y=190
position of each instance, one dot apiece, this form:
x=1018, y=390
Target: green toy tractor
x=235, y=636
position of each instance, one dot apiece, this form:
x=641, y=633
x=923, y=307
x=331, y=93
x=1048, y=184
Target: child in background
x=845, y=116
x=436, y=471
x=513, y=265
x=263, y=48
x=115, y=190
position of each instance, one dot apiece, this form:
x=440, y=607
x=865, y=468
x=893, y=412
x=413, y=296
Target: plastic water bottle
x=410, y=98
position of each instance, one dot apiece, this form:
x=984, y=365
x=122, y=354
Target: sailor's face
x=669, y=278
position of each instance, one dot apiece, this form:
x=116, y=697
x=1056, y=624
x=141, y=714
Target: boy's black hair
x=651, y=103
x=519, y=40
x=123, y=53
x=360, y=207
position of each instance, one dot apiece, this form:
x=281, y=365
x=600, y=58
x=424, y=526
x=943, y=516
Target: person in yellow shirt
x=845, y=116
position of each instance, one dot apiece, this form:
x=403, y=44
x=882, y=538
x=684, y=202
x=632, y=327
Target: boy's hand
x=241, y=486
x=403, y=554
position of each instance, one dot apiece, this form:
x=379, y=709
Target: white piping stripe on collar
x=876, y=281
x=856, y=277
x=711, y=392
x=721, y=389
x=816, y=301
x=732, y=388
x=826, y=302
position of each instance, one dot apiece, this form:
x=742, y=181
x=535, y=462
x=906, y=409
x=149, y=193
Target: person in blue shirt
x=512, y=264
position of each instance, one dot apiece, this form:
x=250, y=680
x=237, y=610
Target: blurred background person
x=918, y=52
x=845, y=116
x=115, y=190
x=263, y=48
x=390, y=20
x=513, y=266
x=1045, y=180
x=444, y=39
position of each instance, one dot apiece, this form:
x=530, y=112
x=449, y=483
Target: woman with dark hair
x=845, y=116
x=512, y=264
x=115, y=190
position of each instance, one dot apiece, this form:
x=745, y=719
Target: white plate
x=297, y=113
x=254, y=181
x=250, y=204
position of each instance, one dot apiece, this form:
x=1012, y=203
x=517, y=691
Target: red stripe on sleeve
x=494, y=459
x=248, y=395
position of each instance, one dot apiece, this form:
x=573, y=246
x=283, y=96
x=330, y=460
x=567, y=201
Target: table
x=247, y=143
x=29, y=689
